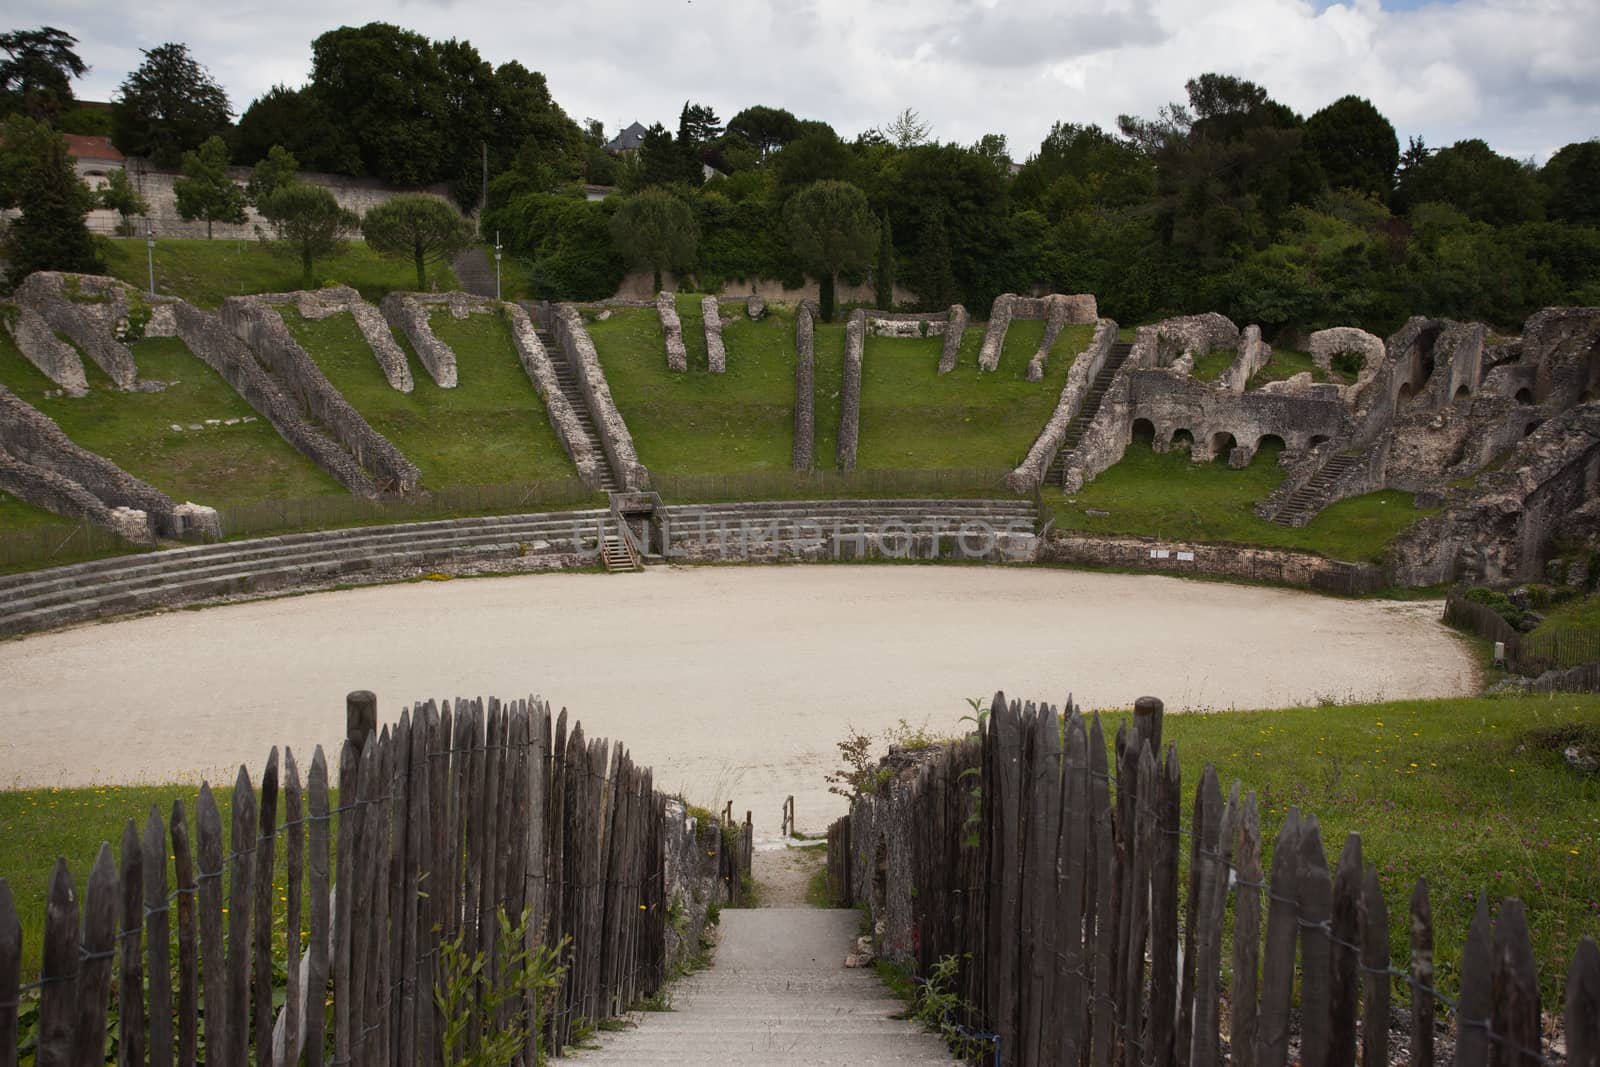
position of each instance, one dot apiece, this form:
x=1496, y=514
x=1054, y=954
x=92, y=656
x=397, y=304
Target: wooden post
x=1147, y=715
x=10, y=974
x=1583, y=1003
x=1421, y=975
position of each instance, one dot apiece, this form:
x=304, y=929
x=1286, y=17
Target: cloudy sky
x=1519, y=73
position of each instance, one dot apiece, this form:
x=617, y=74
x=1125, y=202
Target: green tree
x=812, y=157
x=120, y=196
x=386, y=86
x=168, y=106
x=935, y=279
x=299, y=121
x=308, y=220
x=1571, y=181
x=831, y=229
x=1355, y=146
x=37, y=175
x=36, y=75
x=206, y=191
x=276, y=170
x=1475, y=180
x=657, y=230
x=659, y=162
x=907, y=130
x=885, y=273
x=767, y=129
x=418, y=227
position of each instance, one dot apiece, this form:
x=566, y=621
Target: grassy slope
x=1287, y=362
x=206, y=272
x=217, y=465
x=699, y=422
x=491, y=428
x=1167, y=496
x=913, y=417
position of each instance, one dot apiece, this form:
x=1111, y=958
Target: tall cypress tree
x=885, y=274
x=935, y=280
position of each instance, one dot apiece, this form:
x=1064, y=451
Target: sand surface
x=732, y=682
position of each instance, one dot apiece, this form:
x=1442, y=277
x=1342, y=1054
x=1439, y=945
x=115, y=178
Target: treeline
x=1227, y=200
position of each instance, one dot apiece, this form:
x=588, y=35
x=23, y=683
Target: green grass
x=215, y=465
x=1471, y=794
x=207, y=272
x=491, y=428
x=1286, y=363
x=1167, y=496
x=1209, y=367
x=912, y=417
x=699, y=422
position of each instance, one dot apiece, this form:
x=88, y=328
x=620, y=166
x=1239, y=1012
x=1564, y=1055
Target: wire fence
x=1534, y=653
x=981, y=482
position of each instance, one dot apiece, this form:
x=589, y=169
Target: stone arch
x=1406, y=393
x=1527, y=431
x=1183, y=439
x=1316, y=439
x=1462, y=393
x=1222, y=443
x=1271, y=443
x=1525, y=395
x=1144, y=432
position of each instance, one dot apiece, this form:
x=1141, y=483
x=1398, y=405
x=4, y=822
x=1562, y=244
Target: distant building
x=95, y=157
x=596, y=193
x=627, y=142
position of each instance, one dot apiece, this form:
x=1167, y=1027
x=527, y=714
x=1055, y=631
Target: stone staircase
x=777, y=994
x=568, y=377
x=1305, y=502
x=1090, y=407
x=59, y=596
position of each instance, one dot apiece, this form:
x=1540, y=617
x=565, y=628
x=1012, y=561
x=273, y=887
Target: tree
x=935, y=279
x=206, y=191
x=831, y=229
x=120, y=196
x=310, y=221
x=385, y=84
x=658, y=160
x=907, y=130
x=272, y=173
x=992, y=146
x=418, y=227
x=37, y=175
x=766, y=128
x=1571, y=180
x=1475, y=180
x=812, y=157
x=168, y=106
x=657, y=230
x=36, y=75
x=885, y=272
x=1355, y=145
x=297, y=120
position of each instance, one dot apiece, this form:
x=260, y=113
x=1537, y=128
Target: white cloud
x=1514, y=72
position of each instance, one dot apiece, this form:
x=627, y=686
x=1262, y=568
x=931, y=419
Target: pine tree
x=935, y=280
x=38, y=176
x=885, y=275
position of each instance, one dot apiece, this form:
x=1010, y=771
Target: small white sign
x=1159, y=553
x=1185, y=557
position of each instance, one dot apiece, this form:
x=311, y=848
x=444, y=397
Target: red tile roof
x=86, y=146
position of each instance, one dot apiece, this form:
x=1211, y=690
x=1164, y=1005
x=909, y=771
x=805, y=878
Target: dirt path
x=782, y=871
x=732, y=682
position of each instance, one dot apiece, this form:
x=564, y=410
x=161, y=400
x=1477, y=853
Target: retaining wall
x=576, y=344
x=46, y=292
x=409, y=315
x=716, y=354
x=672, y=329
x=39, y=345
x=541, y=372
x=1198, y=558
x=804, y=389
x=855, y=339
x=318, y=304
x=1030, y=473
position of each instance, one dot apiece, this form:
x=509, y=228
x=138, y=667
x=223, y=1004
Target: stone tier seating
x=38, y=600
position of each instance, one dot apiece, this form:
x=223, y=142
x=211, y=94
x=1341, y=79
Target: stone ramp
x=474, y=271
x=779, y=993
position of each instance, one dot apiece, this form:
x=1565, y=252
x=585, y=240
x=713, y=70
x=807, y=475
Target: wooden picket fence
x=1054, y=878
x=443, y=822
x=1530, y=654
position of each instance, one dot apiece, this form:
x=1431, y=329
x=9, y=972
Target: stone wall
x=542, y=373
x=208, y=338
x=716, y=354
x=318, y=304
x=1325, y=344
x=672, y=328
x=691, y=850
x=1172, y=403
x=578, y=347
x=263, y=330
x=1193, y=336
x=49, y=294
x=1107, y=435
x=55, y=493
x=994, y=338
x=638, y=289
x=406, y=313
x=1055, y=309
x=855, y=339
x=804, y=540
x=32, y=438
x=1029, y=475
x=1564, y=345
x=955, y=329
x=905, y=324
x=805, y=388
x=1198, y=558
x=1254, y=353
x=39, y=345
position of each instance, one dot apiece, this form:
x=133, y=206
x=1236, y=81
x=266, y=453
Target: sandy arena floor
x=732, y=682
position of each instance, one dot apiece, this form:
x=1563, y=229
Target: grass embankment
x=491, y=428
x=698, y=422
x=207, y=272
x=1287, y=362
x=1157, y=495
x=216, y=464
x=913, y=417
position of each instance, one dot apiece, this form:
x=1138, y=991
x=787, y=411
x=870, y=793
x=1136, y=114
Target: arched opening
x=1271, y=446
x=1462, y=393
x=1221, y=445
x=1525, y=395
x=1316, y=440
x=1406, y=393
x=1144, y=432
x=1182, y=440
x=1527, y=431
x=1587, y=397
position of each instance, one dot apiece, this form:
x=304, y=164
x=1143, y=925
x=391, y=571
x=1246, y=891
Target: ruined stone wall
x=1029, y=475
x=1193, y=336
x=210, y=339
x=1564, y=345
x=55, y=493
x=542, y=373
x=881, y=868
x=1108, y=433
x=263, y=330
x=1198, y=558
x=39, y=345
x=409, y=315
x=47, y=293
x=1325, y=344
x=994, y=338
x=677, y=354
x=955, y=329
x=1254, y=353
x=578, y=347
x=1171, y=403
x=716, y=354
x=691, y=854
x=855, y=339
x=805, y=389
x=33, y=438
x=318, y=304
x=638, y=289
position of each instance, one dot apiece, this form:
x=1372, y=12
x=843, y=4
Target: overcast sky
x=1521, y=74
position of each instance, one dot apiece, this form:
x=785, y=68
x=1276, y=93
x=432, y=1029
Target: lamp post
x=497, y=264
x=150, y=252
